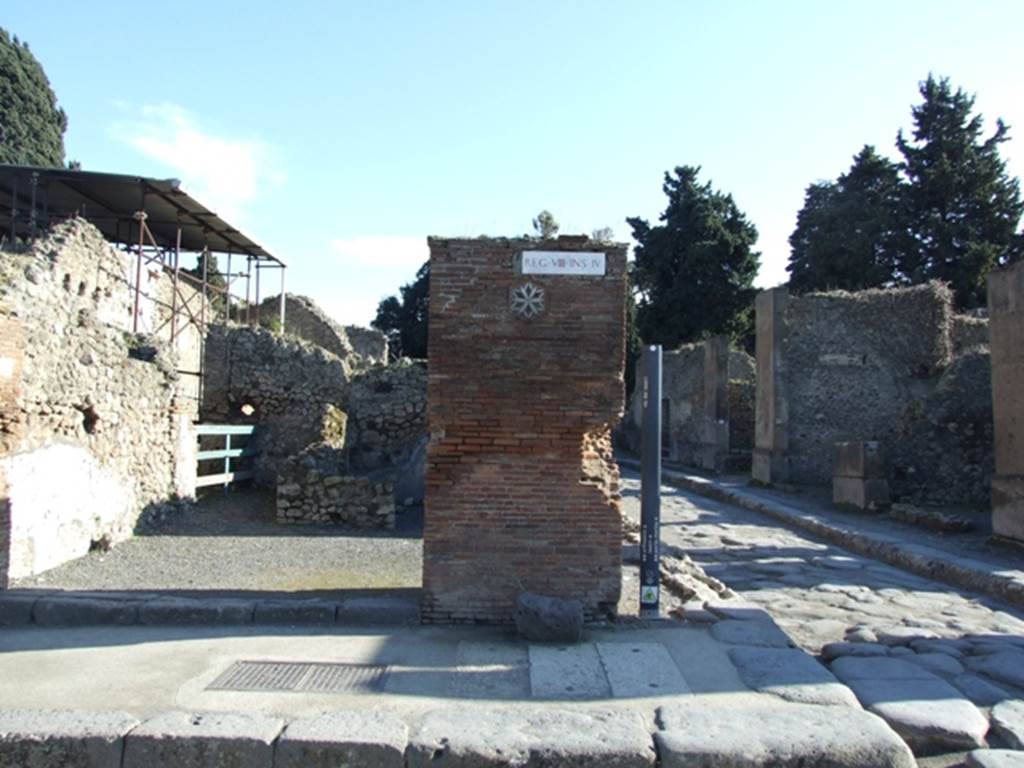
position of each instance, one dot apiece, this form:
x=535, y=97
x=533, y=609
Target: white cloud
x=224, y=173
x=387, y=251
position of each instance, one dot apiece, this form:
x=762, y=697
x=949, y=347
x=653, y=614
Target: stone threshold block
x=858, y=475
x=779, y=735
x=207, y=740
x=43, y=738
x=530, y=738
x=1008, y=506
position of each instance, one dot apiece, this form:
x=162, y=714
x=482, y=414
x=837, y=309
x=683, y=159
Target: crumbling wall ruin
x=92, y=417
x=877, y=365
x=335, y=434
x=305, y=319
x=1006, y=310
x=707, y=411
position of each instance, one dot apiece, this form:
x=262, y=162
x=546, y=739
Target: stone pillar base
x=1008, y=506
x=769, y=466
x=860, y=492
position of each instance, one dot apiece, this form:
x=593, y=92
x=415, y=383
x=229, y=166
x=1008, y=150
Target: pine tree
x=404, y=320
x=694, y=273
x=963, y=208
x=849, y=232
x=31, y=124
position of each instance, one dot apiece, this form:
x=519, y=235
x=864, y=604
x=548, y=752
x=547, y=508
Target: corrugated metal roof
x=110, y=201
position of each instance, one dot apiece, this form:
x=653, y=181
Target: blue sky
x=341, y=134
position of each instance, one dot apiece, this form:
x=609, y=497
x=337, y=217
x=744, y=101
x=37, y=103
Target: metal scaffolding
x=156, y=221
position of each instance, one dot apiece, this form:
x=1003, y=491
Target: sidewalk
x=964, y=560
x=707, y=694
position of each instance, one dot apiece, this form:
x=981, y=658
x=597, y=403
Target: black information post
x=650, y=483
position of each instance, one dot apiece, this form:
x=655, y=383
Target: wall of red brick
x=522, y=489
x=12, y=352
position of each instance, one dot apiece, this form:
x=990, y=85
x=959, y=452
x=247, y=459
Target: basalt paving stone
x=790, y=674
x=995, y=758
x=1008, y=722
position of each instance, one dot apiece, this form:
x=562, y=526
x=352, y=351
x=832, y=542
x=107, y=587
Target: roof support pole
x=34, y=183
x=14, y=210
x=258, y=270
x=281, y=308
x=206, y=296
x=140, y=216
x=248, y=277
x=174, y=283
x=227, y=292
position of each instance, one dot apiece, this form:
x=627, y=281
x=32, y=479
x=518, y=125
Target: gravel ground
x=231, y=542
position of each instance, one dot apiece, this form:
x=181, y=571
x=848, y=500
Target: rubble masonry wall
x=91, y=420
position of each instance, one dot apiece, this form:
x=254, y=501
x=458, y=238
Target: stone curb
x=527, y=738
x=921, y=560
x=58, y=609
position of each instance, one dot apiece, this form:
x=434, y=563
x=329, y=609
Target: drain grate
x=301, y=677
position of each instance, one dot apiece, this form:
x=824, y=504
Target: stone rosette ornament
x=528, y=301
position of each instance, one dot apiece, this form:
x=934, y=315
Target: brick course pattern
x=522, y=487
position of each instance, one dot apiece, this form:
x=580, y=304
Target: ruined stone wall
x=91, y=423
x=387, y=407
x=697, y=381
x=873, y=365
x=1006, y=313
x=293, y=387
x=304, y=318
x=302, y=396
x=969, y=332
x=368, y=343
x=522, y=488
x=318, y=485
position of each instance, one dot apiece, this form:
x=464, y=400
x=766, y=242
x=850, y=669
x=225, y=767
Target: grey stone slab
x=16, y=609
x=979, y=690
x=295, y=612
x=1006, y=667
x=37, y=739
x=530, y=738
x=492, y=670
x=791, y=674
x=187, y=610
x=698, y=735
x=567, y=672
x=737, y=609
x=370, y=739
x=762, y=633
x=955, y=648
x=849, y=668
x=900, y=635
x=75, y=611
x=387, y=611
x=1008, y=722
x=641, y=669
x=207, y=740
x=931, y=715
x=939, y=663
x=831, y=651
x=995, y=758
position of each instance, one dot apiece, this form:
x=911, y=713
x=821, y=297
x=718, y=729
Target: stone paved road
x=817, y=592
x=944, y=667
